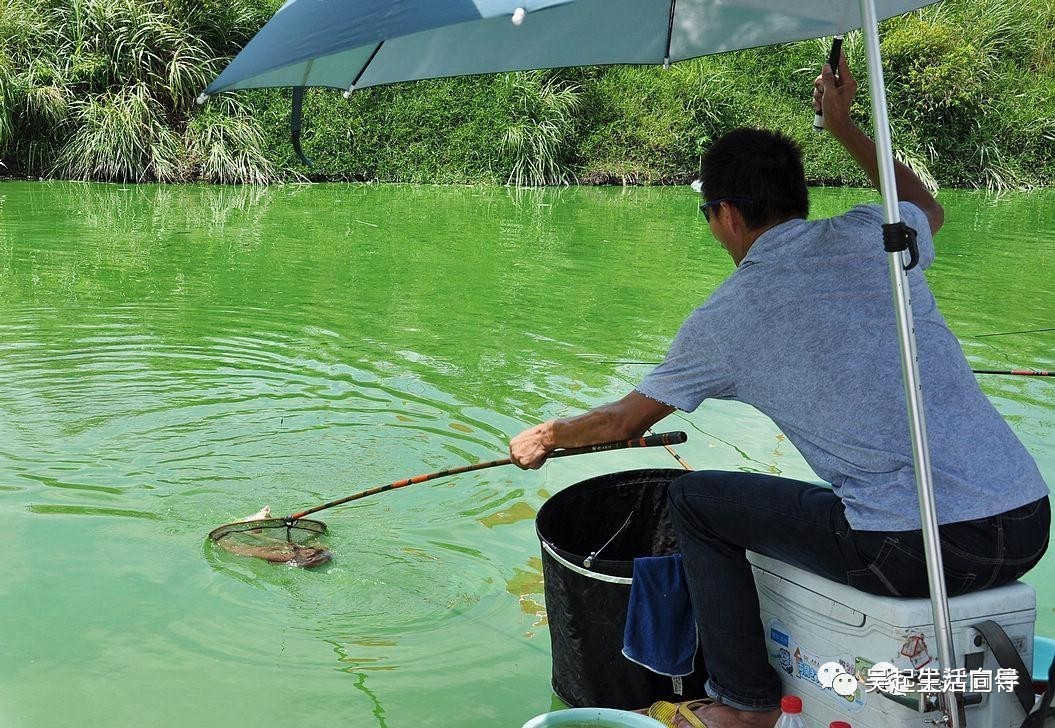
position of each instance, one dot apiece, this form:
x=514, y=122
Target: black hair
x=762, y=166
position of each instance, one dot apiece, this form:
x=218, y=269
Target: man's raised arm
x=834, y=98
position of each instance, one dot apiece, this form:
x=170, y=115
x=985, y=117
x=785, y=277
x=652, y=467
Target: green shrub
x=225, y=146
x=935, y=75
x=652, y=124
x=121, y=136
x=542, y=120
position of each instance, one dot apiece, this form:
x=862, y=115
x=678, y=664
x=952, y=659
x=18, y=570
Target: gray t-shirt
x=804, y=331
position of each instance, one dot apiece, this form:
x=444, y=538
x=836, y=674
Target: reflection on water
x=519, y=511
x=172, y=358
x=526, y=586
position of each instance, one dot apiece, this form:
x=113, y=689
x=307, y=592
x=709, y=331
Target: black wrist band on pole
x=898, y=237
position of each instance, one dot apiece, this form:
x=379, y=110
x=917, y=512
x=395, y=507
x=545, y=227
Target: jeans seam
x=873, y=568
x=962, y=580
x=986, y=561
x=876, y=567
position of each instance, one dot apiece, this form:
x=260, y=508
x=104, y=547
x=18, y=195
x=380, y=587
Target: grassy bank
x=103, y=89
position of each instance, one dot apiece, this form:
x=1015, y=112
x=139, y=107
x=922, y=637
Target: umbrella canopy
x=350, y=44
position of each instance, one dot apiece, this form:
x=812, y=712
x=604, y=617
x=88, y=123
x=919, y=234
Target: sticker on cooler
x=915, y=649
x=830, y=675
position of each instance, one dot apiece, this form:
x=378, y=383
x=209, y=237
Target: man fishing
x=804, y=331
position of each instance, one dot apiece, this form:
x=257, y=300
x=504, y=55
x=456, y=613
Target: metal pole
x=909, y=362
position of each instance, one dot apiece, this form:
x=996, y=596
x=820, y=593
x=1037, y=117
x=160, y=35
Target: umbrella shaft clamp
x=899, y=237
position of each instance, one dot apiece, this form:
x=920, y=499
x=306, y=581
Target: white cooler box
x=810, y=621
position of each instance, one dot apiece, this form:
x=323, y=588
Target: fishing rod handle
x=657, y=440
x=833, y=61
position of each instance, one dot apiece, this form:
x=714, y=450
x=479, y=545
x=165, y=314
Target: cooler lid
x=844, y=602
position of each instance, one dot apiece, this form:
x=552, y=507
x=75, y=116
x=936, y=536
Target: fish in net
x=279, y=540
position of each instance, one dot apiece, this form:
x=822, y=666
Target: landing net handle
x=297, y=521
x=662, y=439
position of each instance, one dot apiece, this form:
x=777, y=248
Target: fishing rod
x=673, y=452
x=833, y=63
x=663, y=439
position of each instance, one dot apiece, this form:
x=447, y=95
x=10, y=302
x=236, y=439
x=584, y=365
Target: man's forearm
x=607, y=423
x=622, y=420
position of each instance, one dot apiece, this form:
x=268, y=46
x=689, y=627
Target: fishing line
x=1009, y=333
x=1009, y=372
x=588, y=561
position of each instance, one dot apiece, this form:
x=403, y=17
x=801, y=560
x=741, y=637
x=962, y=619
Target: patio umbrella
x=350, y=44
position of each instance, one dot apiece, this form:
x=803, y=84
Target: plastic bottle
x=791, y=713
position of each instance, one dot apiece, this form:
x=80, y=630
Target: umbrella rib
x=670, y=33
x=365, y=66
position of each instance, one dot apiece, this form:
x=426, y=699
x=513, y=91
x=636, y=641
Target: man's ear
x=734, y=219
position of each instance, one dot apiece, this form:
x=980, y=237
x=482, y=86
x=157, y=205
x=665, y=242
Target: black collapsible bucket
x=586, y=604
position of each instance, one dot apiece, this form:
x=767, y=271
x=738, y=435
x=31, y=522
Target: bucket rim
x=583, y=571
x=614, y=571
x=576, y=716
x=596, y=481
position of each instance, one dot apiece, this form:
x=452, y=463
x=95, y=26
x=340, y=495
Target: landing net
x=280, y=540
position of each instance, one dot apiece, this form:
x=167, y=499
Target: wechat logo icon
x=834, y=676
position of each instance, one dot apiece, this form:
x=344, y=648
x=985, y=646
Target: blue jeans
x=718, y=515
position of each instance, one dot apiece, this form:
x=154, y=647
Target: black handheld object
x=662, y=439
x=833, y=61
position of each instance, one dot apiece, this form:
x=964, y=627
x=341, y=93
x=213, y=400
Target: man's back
x=804, y=331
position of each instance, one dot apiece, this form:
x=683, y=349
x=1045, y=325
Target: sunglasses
x=705, y=208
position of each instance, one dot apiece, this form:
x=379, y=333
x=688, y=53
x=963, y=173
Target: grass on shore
x=104, y=89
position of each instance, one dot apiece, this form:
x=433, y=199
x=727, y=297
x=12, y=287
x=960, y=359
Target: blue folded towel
x=660, y=629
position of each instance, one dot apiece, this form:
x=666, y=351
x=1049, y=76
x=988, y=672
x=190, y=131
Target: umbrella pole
x=910, y=364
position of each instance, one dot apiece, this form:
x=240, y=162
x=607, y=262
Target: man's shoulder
x=869, y=217
x=872, y=213
x=865, y=213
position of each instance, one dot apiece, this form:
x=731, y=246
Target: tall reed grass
x=537, y=138
x=104, y=89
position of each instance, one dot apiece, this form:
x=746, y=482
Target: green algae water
x=172, y=358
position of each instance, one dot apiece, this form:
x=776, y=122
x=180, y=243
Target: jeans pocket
x=1026, y=538
x=899, y=569
x=978, y=542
